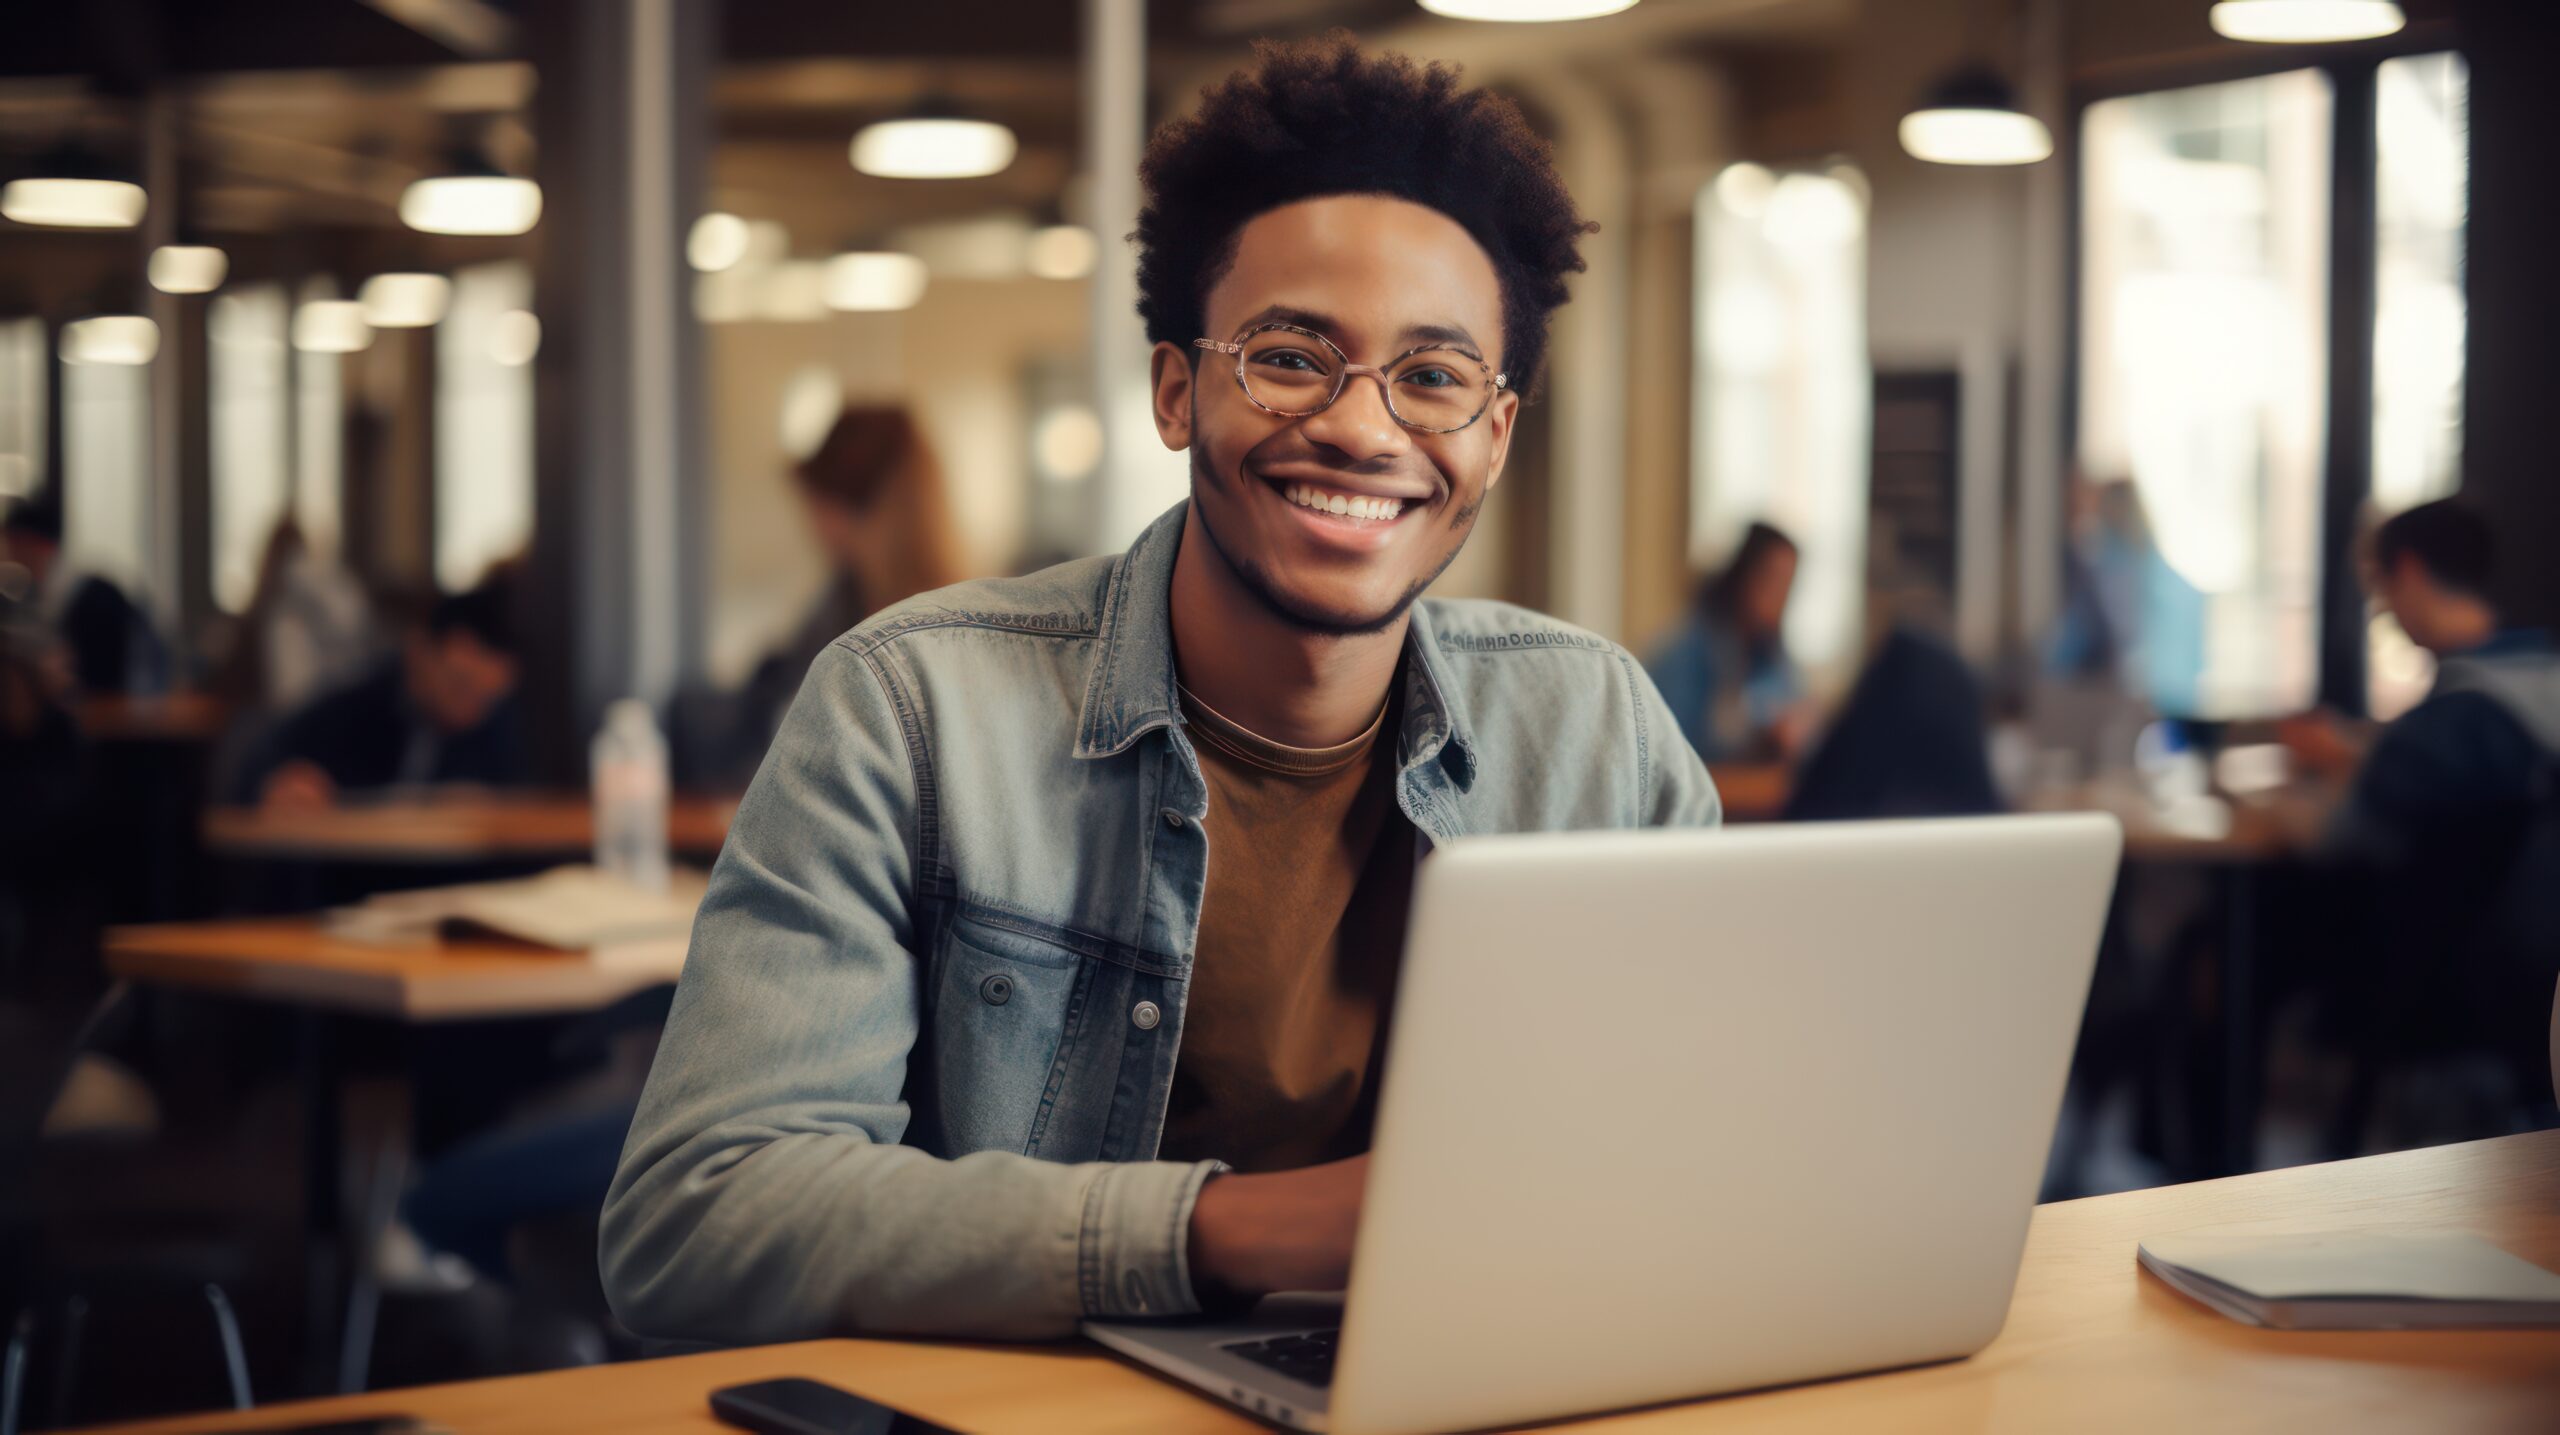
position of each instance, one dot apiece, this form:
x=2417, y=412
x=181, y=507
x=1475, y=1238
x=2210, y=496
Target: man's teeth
x=1348, y=505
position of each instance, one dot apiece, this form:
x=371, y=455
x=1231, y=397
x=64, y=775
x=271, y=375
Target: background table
x=2091, y=1344
x=450, y=829
x=296, y=963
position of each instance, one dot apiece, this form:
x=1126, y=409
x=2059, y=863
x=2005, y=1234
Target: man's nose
x=1358, y=422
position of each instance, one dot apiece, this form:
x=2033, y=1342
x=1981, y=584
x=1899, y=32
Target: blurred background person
x=2475, y=747
x=442, y=710
x=873, y=495
x=307, y=629
x=1725, y=670
x=2436, y=924
x=2128, y=617
x=103, y=643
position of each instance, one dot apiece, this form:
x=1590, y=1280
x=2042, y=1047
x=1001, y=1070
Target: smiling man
x=1046, y=972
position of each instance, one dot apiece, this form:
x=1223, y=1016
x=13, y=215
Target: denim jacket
x=917, y=1066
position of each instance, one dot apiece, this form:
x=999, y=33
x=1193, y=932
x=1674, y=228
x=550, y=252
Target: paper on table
x=2421, y=1265
x=2355, y=1280
x=573, y=909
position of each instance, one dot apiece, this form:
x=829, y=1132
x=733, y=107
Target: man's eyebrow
x=1412, y=334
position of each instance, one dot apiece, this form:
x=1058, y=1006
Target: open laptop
x=1673, y=1113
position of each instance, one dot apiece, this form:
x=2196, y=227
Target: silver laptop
x=1669, y=1114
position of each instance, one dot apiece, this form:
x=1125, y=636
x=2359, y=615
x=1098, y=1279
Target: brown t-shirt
x=1301, y=931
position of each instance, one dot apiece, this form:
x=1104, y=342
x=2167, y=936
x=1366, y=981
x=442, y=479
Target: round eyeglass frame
x=1343, y=375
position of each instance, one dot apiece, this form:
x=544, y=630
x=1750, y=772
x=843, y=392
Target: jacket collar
x=1132, y=691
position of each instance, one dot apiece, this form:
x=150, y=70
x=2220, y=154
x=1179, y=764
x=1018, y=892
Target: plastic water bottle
x=629, y=765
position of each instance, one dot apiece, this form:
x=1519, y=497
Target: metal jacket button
x=997, y=989
x=1173, y=819
x=1146, y=1015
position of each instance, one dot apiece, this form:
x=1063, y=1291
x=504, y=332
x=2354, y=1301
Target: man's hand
x=298, y=786
x=2324, y=744
x=1284, y=1231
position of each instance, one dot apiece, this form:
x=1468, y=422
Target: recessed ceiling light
x=63, y=202
x=933, y=147
x=187, y=268
x=874, y=281
x=2305, y=22
x=472, y=201
x=1526, y=11
x=1972, y=117
x=404, y=301
x=716, y=242
x=110, y=339
x=331, y=326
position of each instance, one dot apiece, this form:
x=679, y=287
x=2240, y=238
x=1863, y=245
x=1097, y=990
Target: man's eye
x=1432, y=378
x=1290, y=359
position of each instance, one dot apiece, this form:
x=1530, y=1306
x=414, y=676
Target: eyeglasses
x=1294, y=372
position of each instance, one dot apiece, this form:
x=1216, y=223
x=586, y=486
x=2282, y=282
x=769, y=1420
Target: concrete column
x=1138, y=478
x=619, y=548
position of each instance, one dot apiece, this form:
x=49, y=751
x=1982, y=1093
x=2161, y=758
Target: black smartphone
x=808, y=1407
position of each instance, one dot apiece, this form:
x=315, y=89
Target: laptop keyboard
x=1302, y=1355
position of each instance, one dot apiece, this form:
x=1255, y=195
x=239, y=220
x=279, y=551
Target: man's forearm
x=825, y=1233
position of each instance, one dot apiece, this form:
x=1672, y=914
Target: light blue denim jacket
x=917, y=1066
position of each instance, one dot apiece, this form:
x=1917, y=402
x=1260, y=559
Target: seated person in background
x=873, y=494
x=1725, y=670
x=2438, y=925
x=2493, y=718
x=105, y=643
x=442, y=710
x=1022, y=841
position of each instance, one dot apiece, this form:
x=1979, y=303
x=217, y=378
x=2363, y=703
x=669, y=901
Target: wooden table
x=296, y=962
x=450, y=829
x=161, y=717
x=1752, y=791
x=2091, y=1345
x=2265, y=827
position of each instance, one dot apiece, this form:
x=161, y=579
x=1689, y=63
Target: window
x=2422, y=175
x=1783, y=392
x=106, y=480
x=484, y=423
x=319, y=434
x=2204, y=336
x=23, y=397
x=250, y=415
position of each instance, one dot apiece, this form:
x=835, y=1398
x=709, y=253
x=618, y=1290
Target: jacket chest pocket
x=1002, y=1007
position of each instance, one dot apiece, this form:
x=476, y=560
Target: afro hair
x=1321, y=118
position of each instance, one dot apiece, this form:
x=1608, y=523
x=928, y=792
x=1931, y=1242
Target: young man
x=1020, y=842
x=442, y=711
x=2472, y=749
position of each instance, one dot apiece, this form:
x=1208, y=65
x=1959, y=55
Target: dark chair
x=51, y=1267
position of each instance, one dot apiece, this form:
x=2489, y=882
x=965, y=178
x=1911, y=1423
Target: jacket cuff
x=1133, y=1254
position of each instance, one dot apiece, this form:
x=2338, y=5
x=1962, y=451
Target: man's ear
x=1170, y=370
x=1505, y=411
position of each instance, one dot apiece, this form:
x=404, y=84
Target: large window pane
x=484, y=423
x=2422, y=181
x=1783, y=391
x=2203, y=366
x=251, y=416
x=23, y=362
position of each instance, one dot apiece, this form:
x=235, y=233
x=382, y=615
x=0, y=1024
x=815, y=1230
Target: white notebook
x=570, y=909
x=2355, y=1280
